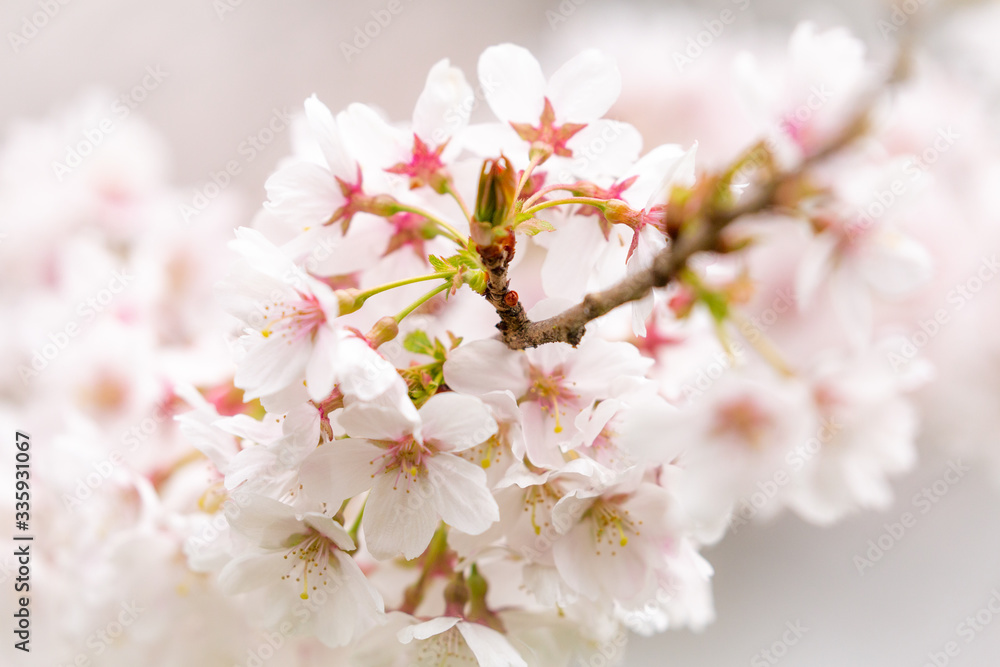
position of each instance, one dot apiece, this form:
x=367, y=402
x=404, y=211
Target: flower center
x=547, y=497
x=406, y=457
x=547, y=389
x=612, y=525
x=744, y=419
x=310, y=555
x=448, y=648
x=293, y=320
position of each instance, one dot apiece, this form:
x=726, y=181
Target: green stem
x=458, y=199
x=421, y=301
x=535, y=161
x=363, y=296
x=590, y=201
x=544, y=191
x=353, y=532
x=435, y=562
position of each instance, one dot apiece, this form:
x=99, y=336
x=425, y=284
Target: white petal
x=372, y=138
x=270, y=364
x=461, y=496
x=435, y=626
x=513, y=83
x=330, y=529
x=443, y=107
x=252, y=571
x=399, y=519
x=375, y=422
x=650, y=170
x=267, y=522
x=814, y=267
x=328, y=135
x=351, y=606
x=364, y=374
x=584, y=89
x=680, y=173
x=303, y=195
x=573, y=251
x=340, y=470
x=246, y=427
x=483, y=366
x=320, y=369
x=490, y=647
x=895, y=264
x=604, y=148
x=456, y=421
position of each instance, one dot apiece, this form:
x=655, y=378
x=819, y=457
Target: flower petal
x=584, y=88
x=457, y=421
x=444, y=106
x=339, y=470
x=251, y=571
x=483, y=366
x=376, y=422
x=513, y=83
x=435, y=626
x=330, y=140
x=265, y=521
x=460, y=494
x=490, y=647
x=303, y=195
x=399, y=519
x=330, y=529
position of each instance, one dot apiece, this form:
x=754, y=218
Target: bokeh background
x=230, y=64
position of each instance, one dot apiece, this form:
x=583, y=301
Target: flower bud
x=456, y=595
x=497, y=187
x=617, y=211
x=384, y=330
x=348, y=301
x=381, y=205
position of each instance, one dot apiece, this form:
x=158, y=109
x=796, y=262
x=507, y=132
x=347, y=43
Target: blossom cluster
x=494, y=375
x=408, y=473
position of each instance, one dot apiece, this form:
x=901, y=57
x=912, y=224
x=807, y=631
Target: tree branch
x=700, y=231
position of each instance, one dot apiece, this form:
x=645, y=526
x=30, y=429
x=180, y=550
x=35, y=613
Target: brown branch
x=570, y=325
x=700, y=232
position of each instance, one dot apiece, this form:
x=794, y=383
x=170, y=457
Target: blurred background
x=224, y=69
